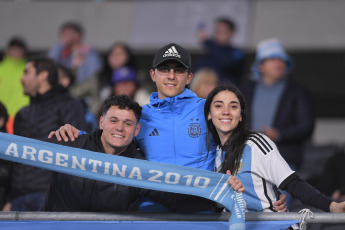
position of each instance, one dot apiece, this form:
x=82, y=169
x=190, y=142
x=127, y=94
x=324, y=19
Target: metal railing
x=318, y=217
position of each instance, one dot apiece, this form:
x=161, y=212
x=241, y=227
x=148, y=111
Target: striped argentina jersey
x=262, y=169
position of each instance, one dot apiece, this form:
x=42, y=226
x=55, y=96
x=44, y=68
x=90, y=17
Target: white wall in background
x=300, y=24
x=143, y=24
x=329, y=131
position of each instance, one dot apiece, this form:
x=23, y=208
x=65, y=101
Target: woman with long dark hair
x=119, y=55
x=119, y=75
x=253, y=157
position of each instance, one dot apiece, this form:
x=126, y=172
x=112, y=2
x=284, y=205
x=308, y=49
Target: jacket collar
x=50, y=94
x=155, y=101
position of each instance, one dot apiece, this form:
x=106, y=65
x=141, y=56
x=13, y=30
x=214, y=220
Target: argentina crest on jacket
x=194, y=129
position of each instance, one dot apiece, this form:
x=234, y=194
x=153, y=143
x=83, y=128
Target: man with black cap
x=173, y=127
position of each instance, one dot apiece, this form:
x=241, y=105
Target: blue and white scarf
x=126, y=171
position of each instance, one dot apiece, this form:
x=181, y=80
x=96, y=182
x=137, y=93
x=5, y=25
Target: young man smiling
x=119, y=124
x=173, y=128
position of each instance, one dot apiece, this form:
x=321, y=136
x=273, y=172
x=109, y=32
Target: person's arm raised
x=65, y=132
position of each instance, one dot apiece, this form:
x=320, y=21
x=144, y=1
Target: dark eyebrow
x=231, y=102
x=126, y=120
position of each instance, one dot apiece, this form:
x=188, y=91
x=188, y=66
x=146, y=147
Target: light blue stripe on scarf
x=126, y=171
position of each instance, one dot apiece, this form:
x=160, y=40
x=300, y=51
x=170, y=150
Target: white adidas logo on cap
x=171, y=52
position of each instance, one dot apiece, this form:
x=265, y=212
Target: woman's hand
x=235, y=183
x=280, y=205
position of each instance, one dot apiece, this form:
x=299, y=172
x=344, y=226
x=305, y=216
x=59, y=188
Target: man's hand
x=7, y=207
x=235, y=183
x=64, y=132
x=80, y=54
x=280, y=205
x=337, y=207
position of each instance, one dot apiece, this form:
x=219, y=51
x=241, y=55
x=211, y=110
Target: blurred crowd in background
x=277, y=105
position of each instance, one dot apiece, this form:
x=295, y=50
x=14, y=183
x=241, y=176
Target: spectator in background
x=204, y=81
x=72, y=53
x=118, y=56
x=277, y=105
x=3, y=118
x=125, y=82
x=11, y=70
x=67, y=79
x=50, y=107
x=4, y=167
x=221, y=56
x=66, y=76
x=332, y=180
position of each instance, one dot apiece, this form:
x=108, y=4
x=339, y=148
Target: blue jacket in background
x=92, y=64
x=227, y=61
x=173, y=130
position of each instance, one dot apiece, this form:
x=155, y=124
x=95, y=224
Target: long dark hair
x=235, y=144
x=108, y=71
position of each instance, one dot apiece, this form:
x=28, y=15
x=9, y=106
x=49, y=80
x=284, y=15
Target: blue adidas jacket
x=173, y=130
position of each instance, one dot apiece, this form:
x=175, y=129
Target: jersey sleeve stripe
x=261, y=142
x=262, y=150
x=265, y=141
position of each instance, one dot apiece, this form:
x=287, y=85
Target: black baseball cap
x=173, y=52
x=17, y=42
